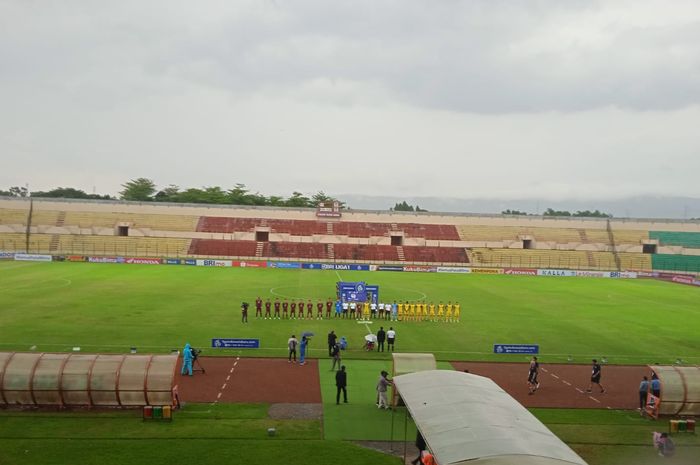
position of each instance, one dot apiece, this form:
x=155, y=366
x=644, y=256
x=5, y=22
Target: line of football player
x=396, y=311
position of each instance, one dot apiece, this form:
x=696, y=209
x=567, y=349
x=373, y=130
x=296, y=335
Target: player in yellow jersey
x=419, y=311
x=456, y=311
x=441, y=312
x=411, y=313
x=365, y=311
x=400, y=311
x=432, y=312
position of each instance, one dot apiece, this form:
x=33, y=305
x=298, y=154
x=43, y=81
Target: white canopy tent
x=468, y=419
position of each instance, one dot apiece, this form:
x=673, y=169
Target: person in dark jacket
x=381, y=337
x=341, y=383
x=331, y=342
x=336, y=356
x=420, y=444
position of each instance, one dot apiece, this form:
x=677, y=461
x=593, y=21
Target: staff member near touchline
x=390, y=338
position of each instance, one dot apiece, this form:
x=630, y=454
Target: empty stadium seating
x=685, y=239
x=13, y=216
x=684, y=263
x=120, y=246
x=221, y=248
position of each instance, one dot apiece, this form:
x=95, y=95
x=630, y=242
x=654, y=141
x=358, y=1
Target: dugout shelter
x=468, y=419
x=403, y=363
x=680, y=389
x=86, y=380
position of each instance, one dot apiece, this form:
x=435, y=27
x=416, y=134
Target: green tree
x=15, y=191
x=552, y=212
x=140, y=189
x=403, y=207
x=168, y=194
x=592, y=214
x=298, y=200
x=513, y=212
x=69, y=193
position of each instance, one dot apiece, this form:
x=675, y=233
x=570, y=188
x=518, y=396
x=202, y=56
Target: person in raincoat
x=186, y=360
x=302, y=350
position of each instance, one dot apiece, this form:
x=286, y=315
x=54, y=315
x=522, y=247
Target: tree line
x=552, y=212
x=145, y=190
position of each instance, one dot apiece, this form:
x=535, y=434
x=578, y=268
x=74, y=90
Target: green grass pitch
x=110, y=308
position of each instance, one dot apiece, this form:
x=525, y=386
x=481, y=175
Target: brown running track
x=269, y=380
x=272, y=380
x=620, y=382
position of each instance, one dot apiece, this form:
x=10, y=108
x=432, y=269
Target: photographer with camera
x=187, y=359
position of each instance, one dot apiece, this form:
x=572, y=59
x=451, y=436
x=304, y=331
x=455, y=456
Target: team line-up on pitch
x=396, y=311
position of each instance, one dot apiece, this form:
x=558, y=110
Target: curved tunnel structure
x=86, y=380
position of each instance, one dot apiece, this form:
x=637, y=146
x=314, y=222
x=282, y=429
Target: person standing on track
x=655, y=385
x=643, y=391
x=532, y=383
x=595, y=377
x=187, y=360
x=302, y=350
x=292, y=343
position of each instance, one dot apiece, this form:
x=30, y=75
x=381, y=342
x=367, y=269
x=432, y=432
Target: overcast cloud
x=491, y=98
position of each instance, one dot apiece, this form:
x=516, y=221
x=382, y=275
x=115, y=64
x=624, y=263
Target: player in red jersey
x=277, y=308
x=310, y=310
x=319, y=312
x=268, y=305
x=301, y=309
x=329, y=307
x=258, y=307
x=293, y=310
x=285, y=309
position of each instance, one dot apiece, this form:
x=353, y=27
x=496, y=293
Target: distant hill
x=632, y=207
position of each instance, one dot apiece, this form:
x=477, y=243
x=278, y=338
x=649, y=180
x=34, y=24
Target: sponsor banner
x=7, y=255
x=235, y=343
x=105, y=259
x=283, y=265
x=646, y=274
x=389, y=268
x=683, y=279
x=520, y=271
x=59, y=258
x=344, y=266
x=251, y=264
x=75, y=258
x=453, y=269
x=310, y=266
x=556, y=273
x=696, y=282
x=664, y=275
x=190, y=261
x=142, y=261
x=592, y=274
x=623, y=274
x=488, y=270
x=29, y=257
x=172, y=261
x=214, y=263
x=516, y=349
x=420, y=268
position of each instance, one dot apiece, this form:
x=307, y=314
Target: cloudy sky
x=492, y=98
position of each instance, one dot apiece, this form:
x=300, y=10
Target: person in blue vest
x=186, y=360
x=338, y=308
x=655, y=385
x=302, y=350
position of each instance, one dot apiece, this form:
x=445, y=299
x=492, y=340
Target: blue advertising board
x=516, y=349
x=334, y=266
x=283, y=265
x=235, y=343
x=189, y=261
x=172, y=261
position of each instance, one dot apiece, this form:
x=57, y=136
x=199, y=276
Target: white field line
x=593, y=398
x=566, y=382
x=218, y=396
x=223, y=387
x=579, y=390
x=554, y=376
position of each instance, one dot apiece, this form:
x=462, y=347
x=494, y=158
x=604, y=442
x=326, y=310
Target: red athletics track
x=564, y=386
x=272, y=380
x=233, y=379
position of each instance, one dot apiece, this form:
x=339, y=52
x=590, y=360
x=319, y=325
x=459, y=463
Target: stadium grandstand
x=115, y=228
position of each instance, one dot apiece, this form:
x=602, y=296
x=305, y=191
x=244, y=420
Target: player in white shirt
x=346, y=306
x=381, y=310
x=373, y=308
x=390, y=338
x=353, y=308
